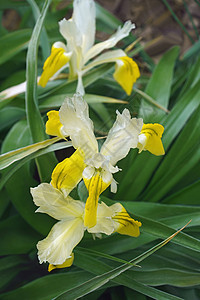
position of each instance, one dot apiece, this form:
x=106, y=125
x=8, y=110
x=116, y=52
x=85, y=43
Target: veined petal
x=150, y=139
x=50, y=200
x=68, y=173
x=126, y=73
x=122, y=136
x=53, y=125
x=84, y=17
x=75, y=118
x=54, y=203
x=66, y=264
x=57, y=59
x=121, y=33
x=124, y=224
x=95, y=185
x=60, y=242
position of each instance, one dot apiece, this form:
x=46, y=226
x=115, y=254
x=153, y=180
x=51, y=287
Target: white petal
x=142, y=142
x=114, y=186
x=52, y=202
x=111, y=42
x=60, y=242
x=122, y=136
x=84, y=17
x=70, y=32
x=75, y=118
x=109, y=56
x=105, y=224
x=60, y=45
x=88, y=172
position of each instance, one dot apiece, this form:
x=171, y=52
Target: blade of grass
x=44, y=38
x=177, y=20
x=36, y=154
x=46, y=164
x=100, y=280
x=6, y=159
x=191, y=19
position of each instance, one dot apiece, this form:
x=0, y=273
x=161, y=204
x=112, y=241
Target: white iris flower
x=80, y=53
x=95, y=166
x=57, y=247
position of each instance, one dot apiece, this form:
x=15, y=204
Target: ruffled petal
x=150, y=139
x=68, y=173
x=74, y=116
x=57, y=59
x=126, y=73
x=66, y=264
x=124, y=224
x=121, y=137
x=95, y=186
x=60, y=242
x=121, y=33
x=53, y=125
x=50, y=201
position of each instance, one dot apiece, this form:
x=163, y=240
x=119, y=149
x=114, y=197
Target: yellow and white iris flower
x=57, y=247
x=80, y=51
x=95, y=166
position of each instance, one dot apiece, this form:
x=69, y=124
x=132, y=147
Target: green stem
x=177, y=20
x=151, y=100
x=191, y=18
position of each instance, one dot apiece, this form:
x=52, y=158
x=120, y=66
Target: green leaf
x=189, y=195
x=18, y=135
x=167, y=276
x=57, y=101
x=174, y=122
x=19, y=164
x=9, y=158
x=17, y=237
x=13, y=43
x=100, y=280
x=10, y=266
x=44, y=38
x=107, y=18
x=46, y=164
x=173, y=167
x=159, y=87
x=10, y=115
x=47, y=287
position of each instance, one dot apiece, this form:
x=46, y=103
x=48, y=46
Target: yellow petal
x=126, y=73
x=57, y=59
x=95, y=186
x=126, y=225
x=66, y=264
x=68, y=173
x=153, y=132
x=53, y=125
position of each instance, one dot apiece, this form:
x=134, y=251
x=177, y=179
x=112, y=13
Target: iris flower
x=95, y=166
x=81, y=54
x=57, y=247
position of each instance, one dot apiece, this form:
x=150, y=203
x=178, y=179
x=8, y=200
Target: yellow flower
x=150, y=139
x=79, y=32
x=94, y=166
x=57, y=247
